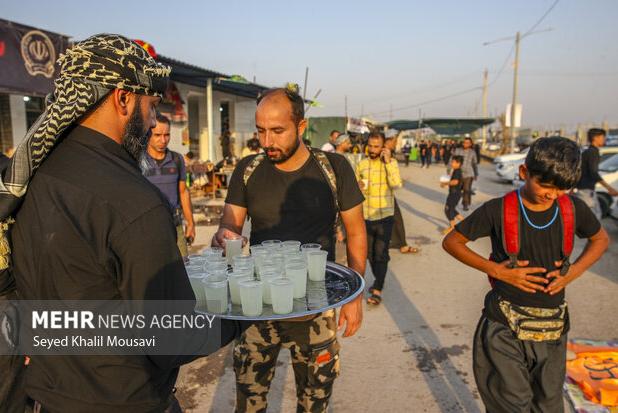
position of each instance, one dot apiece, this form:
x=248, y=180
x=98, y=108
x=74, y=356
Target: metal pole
x=514, y=103
x=210, y=120
x=484, y=108
x=305, y=86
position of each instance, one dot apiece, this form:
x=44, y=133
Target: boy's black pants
x=378, y=238
x=450, y=208
x=517, y=376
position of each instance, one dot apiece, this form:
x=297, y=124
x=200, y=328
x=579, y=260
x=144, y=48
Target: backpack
x=511, y=226
x=325, y=167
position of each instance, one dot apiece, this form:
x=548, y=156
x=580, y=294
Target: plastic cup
x=316, y=264
x=196, y=259
x=298, y=275
x=215, y=287
x=197, y=284
x=259, y=256
x=365, y=184
x=251, y=297
x=293, y=256
x=292, y=245
x=213, y=251
x=233, y=248
x=243, y=262
x=212, y=267
x=234, y=278
x=256, y=248
x=272, y=244
x=305, y=248
x=282, y=292
x=268, y=267
x=266, y=278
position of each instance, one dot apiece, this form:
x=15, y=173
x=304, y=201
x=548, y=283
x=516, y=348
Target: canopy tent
x=443, y=126
x=319, y=128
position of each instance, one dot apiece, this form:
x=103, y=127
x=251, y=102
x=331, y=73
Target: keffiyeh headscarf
x=88, y=71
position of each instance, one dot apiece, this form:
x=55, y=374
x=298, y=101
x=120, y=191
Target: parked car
x=493, y=146
x=507, y=166
x=608, y=169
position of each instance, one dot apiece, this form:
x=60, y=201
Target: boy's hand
x=521, y=277
x=559, y=281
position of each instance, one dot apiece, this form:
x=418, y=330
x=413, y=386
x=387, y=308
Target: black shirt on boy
x=540, y=247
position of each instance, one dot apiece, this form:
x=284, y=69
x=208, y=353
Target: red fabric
x=567, y=214
x=510, y=223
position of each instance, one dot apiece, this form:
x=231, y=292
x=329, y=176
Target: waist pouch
x=534, y=323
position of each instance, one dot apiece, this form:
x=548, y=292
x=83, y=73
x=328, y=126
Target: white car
x=507, y=166
x=608, y=169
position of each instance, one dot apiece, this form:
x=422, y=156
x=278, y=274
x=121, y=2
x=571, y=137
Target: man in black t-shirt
x=590, y=172
x=519, y=356
x=288, y=197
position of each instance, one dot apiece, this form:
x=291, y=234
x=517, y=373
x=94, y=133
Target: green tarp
x=443, y=126
x=319, y=128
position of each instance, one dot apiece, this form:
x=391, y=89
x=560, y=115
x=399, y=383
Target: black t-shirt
x=294, y=205
x=541, y=247
x=91, y=227
x=456, y=190
x=590, y=169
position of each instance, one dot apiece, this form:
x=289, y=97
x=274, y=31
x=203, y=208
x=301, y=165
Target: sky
x=392, y=59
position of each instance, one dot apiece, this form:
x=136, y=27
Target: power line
x=463, y=92
x=425, y=88
x=535, y=25
x=504, y=64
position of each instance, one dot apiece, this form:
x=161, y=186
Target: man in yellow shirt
x=378, y=176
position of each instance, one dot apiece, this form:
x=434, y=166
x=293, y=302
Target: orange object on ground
x=596, y=373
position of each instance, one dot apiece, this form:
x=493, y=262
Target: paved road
x=413, y=352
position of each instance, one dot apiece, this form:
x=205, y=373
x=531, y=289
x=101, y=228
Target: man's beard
x=135, y=136
x=284, y=155
x=374, y=155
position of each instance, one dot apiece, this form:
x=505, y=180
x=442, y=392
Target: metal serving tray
x=341, y=285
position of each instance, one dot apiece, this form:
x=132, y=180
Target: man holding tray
x=293, y=193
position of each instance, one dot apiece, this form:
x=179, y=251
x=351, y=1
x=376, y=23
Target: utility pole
x=484, y=107
x=512, y=130
x=514, y=102
x=346, y=106
x=305, y=85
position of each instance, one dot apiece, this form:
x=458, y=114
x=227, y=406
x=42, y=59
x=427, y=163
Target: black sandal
x=374, y=299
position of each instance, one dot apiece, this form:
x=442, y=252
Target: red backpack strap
x=511, y=240
x=567, y=218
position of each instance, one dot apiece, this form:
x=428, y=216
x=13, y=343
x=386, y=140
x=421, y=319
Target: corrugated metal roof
x=198, y=76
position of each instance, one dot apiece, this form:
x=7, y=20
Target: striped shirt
x=380, y=179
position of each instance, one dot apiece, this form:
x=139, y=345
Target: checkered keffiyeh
x=88, y=71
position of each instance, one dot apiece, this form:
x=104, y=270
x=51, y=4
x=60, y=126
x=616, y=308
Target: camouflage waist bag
x=534, y=323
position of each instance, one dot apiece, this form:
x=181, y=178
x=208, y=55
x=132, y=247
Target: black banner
x=28, y=58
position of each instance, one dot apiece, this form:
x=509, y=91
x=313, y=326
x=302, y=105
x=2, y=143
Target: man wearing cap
x=91, y=227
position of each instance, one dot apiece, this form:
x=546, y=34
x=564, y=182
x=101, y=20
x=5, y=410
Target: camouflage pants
x=315, y=360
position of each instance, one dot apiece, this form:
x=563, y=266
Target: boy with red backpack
x=520, y=341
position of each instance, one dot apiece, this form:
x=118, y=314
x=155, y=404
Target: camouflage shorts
x=315, y=360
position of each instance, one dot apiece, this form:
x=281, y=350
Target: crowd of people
x=118, y=217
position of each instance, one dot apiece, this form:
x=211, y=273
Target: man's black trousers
x=378, y=238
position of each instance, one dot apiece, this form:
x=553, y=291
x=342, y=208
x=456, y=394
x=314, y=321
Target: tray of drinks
x=340, y=286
